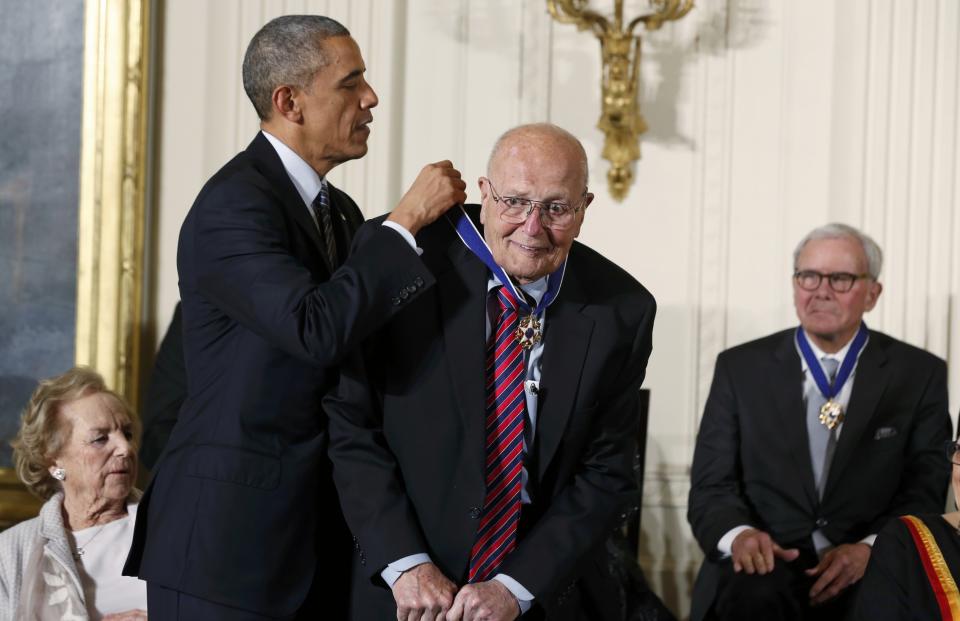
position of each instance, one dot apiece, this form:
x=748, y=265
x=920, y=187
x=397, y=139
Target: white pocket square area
x=885, y=432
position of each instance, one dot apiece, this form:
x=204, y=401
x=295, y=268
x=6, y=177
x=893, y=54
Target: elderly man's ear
x=587, y=199
x=484, y=187
x=874, y=294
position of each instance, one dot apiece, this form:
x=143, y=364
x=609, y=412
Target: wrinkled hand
x=130, y=615
x=753, y=551
x=423, y=592
x=838, y=569
x=484, y=601
x=436, y=189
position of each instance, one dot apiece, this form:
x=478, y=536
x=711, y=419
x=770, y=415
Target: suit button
x=821, y=522
x=396, y=301
x=418, y=281
x=475, y=512
x=404, y=294
x=411, y=288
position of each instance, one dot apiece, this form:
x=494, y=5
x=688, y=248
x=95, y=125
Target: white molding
x=715, y=106
x=536, y=67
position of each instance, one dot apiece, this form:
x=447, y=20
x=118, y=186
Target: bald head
x=538, y=165
x=546, y=140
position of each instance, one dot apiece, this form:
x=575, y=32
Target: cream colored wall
x=768, y=117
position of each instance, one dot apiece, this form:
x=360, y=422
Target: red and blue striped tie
x=506, y=413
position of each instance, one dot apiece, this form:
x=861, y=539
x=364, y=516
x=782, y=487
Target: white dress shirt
x=308, y=183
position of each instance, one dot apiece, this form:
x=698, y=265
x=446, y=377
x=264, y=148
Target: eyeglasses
x=952, y=450
x=840, y=282
x=554, y=215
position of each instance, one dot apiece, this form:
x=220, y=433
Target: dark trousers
x=166, y=604
x=782, y=594
x=169, y=605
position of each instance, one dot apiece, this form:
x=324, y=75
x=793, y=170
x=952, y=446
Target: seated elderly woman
x=76, y=449
x=915, y=565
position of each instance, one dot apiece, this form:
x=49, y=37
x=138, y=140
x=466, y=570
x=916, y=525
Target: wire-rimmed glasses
x=555, y=215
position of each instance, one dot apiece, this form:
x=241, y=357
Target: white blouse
x=105, y=551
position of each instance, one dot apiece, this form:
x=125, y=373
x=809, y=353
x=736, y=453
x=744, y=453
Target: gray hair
x=286, y=51
x=548, y=129
x=43, y=431
x=836, y=230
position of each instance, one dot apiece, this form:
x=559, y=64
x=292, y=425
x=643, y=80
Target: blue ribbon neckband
x=831, y=413
x=529, y=331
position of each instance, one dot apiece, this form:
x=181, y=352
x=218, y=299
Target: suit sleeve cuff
x=392, y=572
x=405, y=234
x=524, y=597
x=725, y=545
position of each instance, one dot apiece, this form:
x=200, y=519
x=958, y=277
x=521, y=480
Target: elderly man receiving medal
x=483, y=443
x=811, y=440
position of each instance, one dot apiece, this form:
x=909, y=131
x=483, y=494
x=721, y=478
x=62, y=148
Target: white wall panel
x=536, y=63
x=436, y=89
x=767, y=118
x=943, y=158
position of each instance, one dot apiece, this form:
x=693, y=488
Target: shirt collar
x=820, y=354
x=305, y=179
x=536, y=289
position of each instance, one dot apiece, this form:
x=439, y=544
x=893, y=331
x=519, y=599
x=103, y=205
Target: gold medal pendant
x=528, y=332
x=831, y=414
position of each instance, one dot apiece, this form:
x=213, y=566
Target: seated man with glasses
x=811, y=440
x=483, y=443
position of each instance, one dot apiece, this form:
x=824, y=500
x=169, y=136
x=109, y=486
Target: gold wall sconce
x=620, y=119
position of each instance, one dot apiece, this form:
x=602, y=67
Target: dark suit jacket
x=166, y=392
x=407, y=433
x=896, y=585
x=752, y=459
x=234, y=509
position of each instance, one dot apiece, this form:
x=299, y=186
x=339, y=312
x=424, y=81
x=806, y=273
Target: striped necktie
x=321, y=207
x=506, y=414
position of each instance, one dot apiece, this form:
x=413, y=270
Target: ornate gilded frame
x=112, y=209
x=113, y=165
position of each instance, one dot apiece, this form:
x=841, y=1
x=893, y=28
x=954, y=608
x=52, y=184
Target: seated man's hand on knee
x=754, y=551
x=838, y=569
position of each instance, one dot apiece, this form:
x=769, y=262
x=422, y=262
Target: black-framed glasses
x=555, y=215
x=840, y=282
x=952, y=449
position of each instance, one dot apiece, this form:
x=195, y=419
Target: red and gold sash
x=941, y=580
